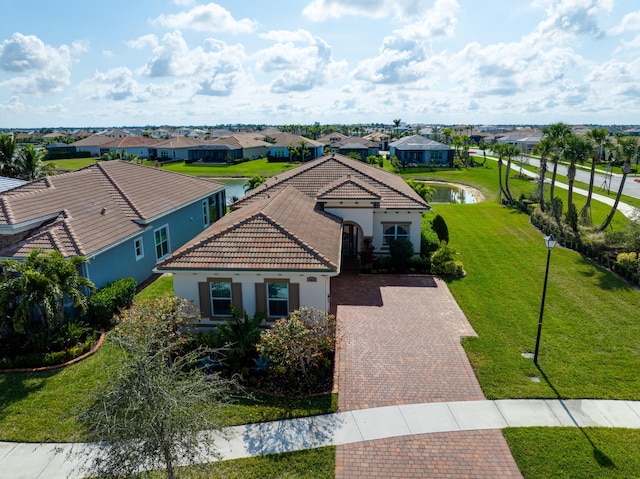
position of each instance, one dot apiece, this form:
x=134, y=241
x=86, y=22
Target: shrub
x=419, y=264
x=401, y=251
x=629, y=261
x=440, y=227
x=298, y=344
x=239, y=336
x=107, y=301
x=443, y=262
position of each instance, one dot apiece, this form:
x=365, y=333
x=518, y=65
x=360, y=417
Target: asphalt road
x=603, y=181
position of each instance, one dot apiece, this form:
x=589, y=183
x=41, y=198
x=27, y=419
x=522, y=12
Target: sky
x=79, y=63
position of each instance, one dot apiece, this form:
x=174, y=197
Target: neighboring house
x=525, y=140
x=91, y=144
x=418, y=150
x=281, y=144
x=122, y=216
x=280, y=246
x=382, y=139
x=359, y=146
x=331, y=139
x=132, y=145
x=175, y=148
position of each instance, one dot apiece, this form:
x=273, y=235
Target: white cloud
x=321, y=10
x=13, y=105
x=403, y=55
x=207, y=18
x=301, y=61
x=571, y=18
x=38, y=67
x=630, y=23
x=145, y=41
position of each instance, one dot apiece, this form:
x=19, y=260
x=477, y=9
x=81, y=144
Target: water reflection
x=448, y=194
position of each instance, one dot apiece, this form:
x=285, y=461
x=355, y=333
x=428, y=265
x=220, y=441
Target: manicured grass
x=160, y=288
x=310, y=464
x=38, y=407
x=572, y=453
x=72, y=164
x=247, y=169
x=589, y=343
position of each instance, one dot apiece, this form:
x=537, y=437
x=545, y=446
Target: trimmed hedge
x=107, y=301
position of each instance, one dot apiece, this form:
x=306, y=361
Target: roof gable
x=283, y=233
x=348, y=188
x=314, y=176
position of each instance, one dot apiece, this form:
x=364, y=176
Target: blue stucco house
x=418, y=150
x=123, y=217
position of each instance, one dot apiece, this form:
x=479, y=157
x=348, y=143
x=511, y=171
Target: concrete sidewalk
x=58, y=461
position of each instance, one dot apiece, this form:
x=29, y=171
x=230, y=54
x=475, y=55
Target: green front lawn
x=247, y=169
x=72, y=164
x=573, y=453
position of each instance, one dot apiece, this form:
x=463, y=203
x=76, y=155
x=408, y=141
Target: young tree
x=576, y=149
x=158, y=407
x=253, y=182
x=557, y=133
x=424, y=190
x=544, y=149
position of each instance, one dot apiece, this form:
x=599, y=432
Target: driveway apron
x=399, y=343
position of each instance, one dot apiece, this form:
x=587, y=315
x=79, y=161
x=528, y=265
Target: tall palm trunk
x=625, y=171
x=506, y=180
x=502, y=192
x=571, y=176
x=553, y=181
x=543, y=173
x=585, y=212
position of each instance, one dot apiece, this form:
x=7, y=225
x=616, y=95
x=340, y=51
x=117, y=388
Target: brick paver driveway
x=399, y=343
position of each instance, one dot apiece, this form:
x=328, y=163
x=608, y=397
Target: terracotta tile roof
x=283, y=139
x=93, y=140
x=418, y=142
x=347, y=188
x=100, y=204
x=177, y=142
x=131, y=142
x=277, y=233
x=313, y=177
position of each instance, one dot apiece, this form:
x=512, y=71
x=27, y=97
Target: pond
x=235, y=188
x=447, y=193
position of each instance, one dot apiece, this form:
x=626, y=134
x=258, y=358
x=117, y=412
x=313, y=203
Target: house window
x=278, y=299
x=139, y=249
x=205, y=213
x=162, y=242
x=393, y=232
x=221, y=298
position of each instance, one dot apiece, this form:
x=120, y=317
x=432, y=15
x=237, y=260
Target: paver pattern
x=399, y=343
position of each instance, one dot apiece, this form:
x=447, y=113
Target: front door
x=350, y=240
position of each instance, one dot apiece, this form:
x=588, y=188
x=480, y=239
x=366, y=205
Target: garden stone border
x=41, y=369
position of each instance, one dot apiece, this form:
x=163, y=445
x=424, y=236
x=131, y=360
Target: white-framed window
x=220, y=298
x=205, y=213
x=161, y=237
x=138, y=248
x=278, y=299
x=393, y=231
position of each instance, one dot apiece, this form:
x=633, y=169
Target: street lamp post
x=550, y=243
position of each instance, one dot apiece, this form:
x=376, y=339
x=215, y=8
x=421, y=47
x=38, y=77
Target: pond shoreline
x=475, y=192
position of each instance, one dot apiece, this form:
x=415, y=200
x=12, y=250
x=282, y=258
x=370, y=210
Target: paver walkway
x=399, y=343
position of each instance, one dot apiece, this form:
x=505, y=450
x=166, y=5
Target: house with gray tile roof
x=123, y=217
x=280, y=245
x=418, y=150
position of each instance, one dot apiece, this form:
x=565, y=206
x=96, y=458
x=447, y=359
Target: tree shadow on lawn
x=15, y=387
x=601, y=458
x=604, y=279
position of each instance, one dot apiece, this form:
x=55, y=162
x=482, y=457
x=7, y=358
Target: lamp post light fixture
x=550, y=243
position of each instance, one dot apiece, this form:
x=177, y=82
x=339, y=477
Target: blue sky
x=187, y=62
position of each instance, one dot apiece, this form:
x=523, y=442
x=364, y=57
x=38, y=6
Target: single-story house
x=419, y=150
x=359, y=146
x=123, y=217
x=280, y=245
x=282, y=144
x=382, y=139
x=175, y=148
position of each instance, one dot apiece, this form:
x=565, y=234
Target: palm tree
x=628, y=148
x=35, y=289
x=576, y=149
x=396, y=123
x=31, y=164
x=600, y=140
x=498, y=148
x=8, y=147
x=543, y=148
x=446, y=132
x=509, y=151
x=304, y=151
x=556, y=133
x=253, y=182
